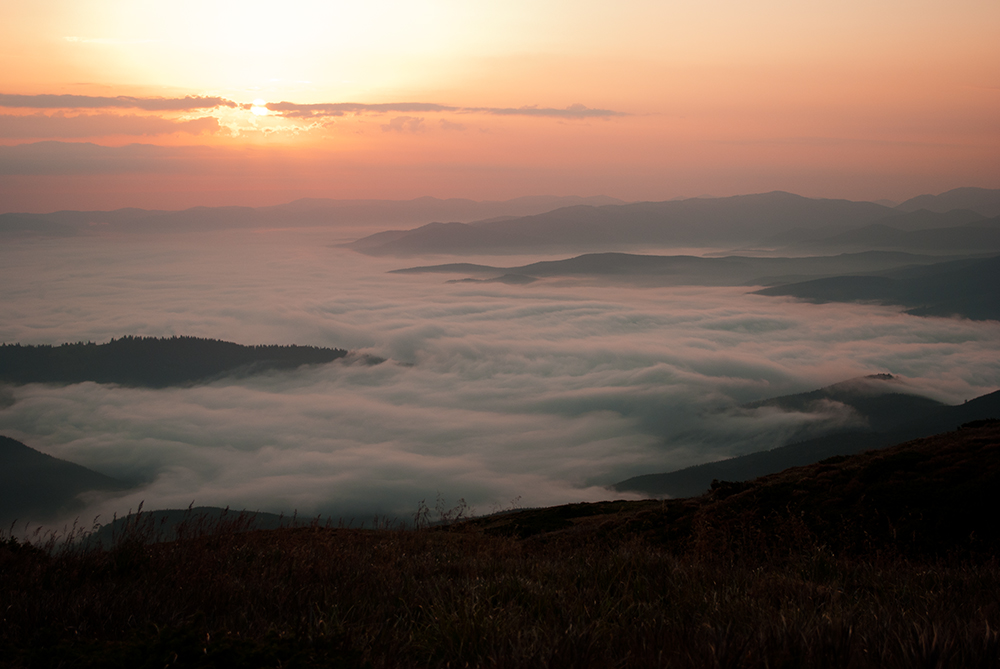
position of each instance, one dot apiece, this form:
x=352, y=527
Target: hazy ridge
x=307, y=212
x=759, y=219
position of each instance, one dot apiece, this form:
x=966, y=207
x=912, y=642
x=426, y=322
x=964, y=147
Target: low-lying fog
x=544, y=392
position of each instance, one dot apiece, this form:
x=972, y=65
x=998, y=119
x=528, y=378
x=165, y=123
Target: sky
x=114, y=103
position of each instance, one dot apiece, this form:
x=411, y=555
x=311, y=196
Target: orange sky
x=149, y=104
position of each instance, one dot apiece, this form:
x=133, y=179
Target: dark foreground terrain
x=882, y=559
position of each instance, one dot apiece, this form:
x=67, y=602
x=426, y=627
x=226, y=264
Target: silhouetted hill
x=985, y=201
x=695, y=221
x=35, y=487
x=678, y=270
x=931, y=496
x=151, y=361
x=959, y=288
x=886, y=418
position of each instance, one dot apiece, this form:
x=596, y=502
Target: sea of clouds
x=545, y=393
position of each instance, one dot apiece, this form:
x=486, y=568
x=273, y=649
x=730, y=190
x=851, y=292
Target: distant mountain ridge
x=985, y=201
x=693, y=221
x=966, y=288
x=922, y=231
x=767, y=219
x=308, y=212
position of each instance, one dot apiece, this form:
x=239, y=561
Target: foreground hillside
x=883, y=559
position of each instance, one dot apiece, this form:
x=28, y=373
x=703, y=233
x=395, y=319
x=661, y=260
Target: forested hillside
x=151, y=361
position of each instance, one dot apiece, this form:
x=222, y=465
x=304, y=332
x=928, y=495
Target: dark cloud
x=46, y=101
x=100, y=125
x=492, y=391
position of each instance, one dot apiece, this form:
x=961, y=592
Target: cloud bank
x=547, y=391
x=48, y=101
x=284, y=108
x=294, y=110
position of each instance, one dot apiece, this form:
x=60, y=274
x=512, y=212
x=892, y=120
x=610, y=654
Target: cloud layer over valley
x=546, y=392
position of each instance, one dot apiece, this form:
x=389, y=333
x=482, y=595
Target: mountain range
x=986, y=201
x=697, y=221
x=768, y=219
x=922, y=232
x=963, y=219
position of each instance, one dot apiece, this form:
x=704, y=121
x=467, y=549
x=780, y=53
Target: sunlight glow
x=259, y=109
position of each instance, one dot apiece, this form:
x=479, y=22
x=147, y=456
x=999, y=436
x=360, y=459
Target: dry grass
x=881, y=560
x=431, y=598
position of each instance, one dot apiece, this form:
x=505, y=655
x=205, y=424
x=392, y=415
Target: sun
x=259, y=108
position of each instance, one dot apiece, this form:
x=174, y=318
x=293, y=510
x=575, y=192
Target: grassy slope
x=873, y=560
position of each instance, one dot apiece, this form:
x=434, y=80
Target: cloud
x=289, y=110
x=547, y=391
x=450, y=125
x=403, y=124
x=573, y=111
x=47, y=101
x=293, y=110
x=100, y=125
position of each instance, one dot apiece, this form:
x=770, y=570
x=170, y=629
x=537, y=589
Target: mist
x=542, y=393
